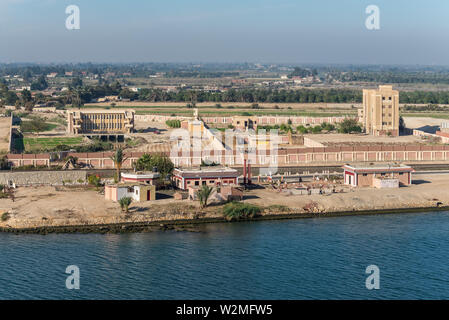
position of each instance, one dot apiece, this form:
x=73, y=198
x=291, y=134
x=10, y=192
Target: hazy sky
x=279, y=31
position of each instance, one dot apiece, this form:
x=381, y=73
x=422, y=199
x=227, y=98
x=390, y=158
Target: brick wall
x=284, y=157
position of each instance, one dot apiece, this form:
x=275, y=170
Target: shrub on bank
x=125, y=203
x=5, y=216
x=94, y=180
x=238, y=210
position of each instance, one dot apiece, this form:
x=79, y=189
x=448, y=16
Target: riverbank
x=69, y=209
x=191, y=225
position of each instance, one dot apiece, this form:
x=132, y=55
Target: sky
x=260, y=31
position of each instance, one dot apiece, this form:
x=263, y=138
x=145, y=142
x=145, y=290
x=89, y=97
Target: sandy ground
x=155, y=142
x=426, y=191
x=416, y=122
x=337, y=138
x=40, y=206
x=5, y=123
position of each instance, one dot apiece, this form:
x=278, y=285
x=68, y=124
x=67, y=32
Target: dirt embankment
x=50, y=208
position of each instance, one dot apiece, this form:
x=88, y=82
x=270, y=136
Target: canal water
x=322, y=258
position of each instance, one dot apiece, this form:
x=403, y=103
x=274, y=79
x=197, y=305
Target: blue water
x=322, y=258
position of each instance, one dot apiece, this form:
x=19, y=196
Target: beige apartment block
x=100, y=121
x=381, y=111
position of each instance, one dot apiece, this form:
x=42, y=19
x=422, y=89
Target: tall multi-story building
x=100, y=121
x=381, y=111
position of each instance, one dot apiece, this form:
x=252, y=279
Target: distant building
x=195, y=127
x=100, y=121
x=377, y=175
x=210, y=176
x=244, y=123
x=381, y=111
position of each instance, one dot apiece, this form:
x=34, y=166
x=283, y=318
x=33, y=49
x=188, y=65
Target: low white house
x=137, y=192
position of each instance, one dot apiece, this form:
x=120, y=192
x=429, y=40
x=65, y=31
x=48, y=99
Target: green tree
x=163, y=164
x=77, y=82
x=204, y=194
x=301, y=129
x=317, y=129
x=4, y=163
x=94, y=180
x=39, y=84
x=349, y=125
x=26, y=96
x=118, y=158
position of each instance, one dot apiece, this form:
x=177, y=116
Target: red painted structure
x=363, y=175
x=185, y=178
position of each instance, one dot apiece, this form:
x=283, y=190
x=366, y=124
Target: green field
x=30, y=144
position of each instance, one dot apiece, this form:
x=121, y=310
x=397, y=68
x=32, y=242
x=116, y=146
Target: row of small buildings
x=142, y=186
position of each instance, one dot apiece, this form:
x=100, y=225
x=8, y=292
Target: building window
x=365, y=174
x=197, y=183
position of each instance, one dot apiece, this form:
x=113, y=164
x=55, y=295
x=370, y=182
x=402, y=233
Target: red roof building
x=377, y=175
x=211, y=176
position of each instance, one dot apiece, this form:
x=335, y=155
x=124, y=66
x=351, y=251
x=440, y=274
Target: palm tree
x=204, y=194
x=118, y=159
x=124, y=203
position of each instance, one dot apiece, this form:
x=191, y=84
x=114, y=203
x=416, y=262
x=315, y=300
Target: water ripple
x=298, y=259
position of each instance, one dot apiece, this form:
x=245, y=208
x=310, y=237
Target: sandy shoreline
x=190, y=224
x=84, y=207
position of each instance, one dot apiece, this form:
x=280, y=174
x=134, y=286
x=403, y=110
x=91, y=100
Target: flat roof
x=376, y=167
x=100, y=111
x=128, y=184
x=141, y=175
x=207, y=172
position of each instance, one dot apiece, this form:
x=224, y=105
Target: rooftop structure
x=100, y=121
x=150, y=178
x=381, y=111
